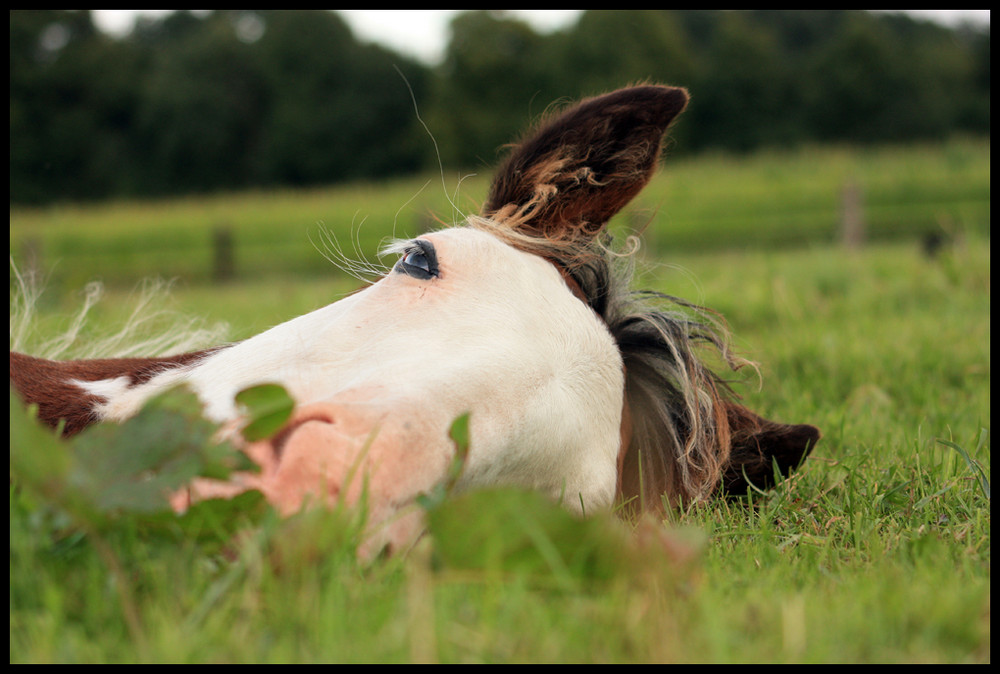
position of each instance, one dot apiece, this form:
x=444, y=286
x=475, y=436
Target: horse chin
x=343, y=455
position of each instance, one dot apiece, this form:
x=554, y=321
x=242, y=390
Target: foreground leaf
x=268, y=407
x=114, y=468
x=524, y=533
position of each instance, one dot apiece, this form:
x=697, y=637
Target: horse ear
x=581, y=167
x=758, y=446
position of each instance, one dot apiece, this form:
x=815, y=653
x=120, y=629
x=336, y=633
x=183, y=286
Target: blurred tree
x=607, y=48
x=859, y=74
x=975, y=113
x=741, y=91
x=338, y=109
x=495, y=69
x=202, y=102
x=72, y=102
x=237, y=98
x=199, y=102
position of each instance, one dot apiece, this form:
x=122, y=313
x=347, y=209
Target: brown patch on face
x=47, y=383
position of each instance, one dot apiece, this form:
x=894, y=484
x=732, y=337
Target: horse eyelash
x=403, y=247
x=399, y=247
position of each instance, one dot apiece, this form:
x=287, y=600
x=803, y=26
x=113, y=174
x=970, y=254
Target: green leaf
x=977, y=470
x=459, y=434
x=131, y=467
x=513, y=531
x=38, y=460
x=136, y=465
x=268, y=407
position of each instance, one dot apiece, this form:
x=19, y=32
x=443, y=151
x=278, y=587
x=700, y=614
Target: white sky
x=423, y=33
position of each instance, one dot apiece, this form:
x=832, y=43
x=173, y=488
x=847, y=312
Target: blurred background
x=300, y=107
x=195, y=102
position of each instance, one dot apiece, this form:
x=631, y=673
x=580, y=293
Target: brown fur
x=762, y=452
x=48, y=383
x=683, y=435
x=580, y=168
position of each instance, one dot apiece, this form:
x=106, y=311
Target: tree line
x=241, y=99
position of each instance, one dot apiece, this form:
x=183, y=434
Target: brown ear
x=581, y=167
x=759, y=447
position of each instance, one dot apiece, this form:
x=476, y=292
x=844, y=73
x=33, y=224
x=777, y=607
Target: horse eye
x=419, y=261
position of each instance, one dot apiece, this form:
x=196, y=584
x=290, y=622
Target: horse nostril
x=280, y=439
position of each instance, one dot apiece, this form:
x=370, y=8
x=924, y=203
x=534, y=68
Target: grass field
x=878, y=550
x=703, y=203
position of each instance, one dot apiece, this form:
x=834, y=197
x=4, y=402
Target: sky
x=423, y=33
x=420, y=33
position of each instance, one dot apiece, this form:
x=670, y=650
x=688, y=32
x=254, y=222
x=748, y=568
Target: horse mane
x=151, y=329
x=680, y=440
x=684, y=435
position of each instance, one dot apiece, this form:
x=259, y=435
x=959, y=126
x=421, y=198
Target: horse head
x=575, y=385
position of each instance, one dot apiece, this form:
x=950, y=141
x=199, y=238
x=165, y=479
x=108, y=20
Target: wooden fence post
x=852, y=216
x=223, y=255
x=31, y=257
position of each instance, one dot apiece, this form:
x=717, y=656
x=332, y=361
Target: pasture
x=878, y=550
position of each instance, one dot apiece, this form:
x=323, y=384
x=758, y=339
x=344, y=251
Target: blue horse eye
x=419, y=261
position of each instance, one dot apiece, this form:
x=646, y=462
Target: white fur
x=497, y=334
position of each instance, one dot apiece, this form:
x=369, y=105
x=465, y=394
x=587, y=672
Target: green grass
x=791, y=198
x=878, y=550
x=701, y=203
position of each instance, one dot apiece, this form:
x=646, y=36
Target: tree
x=607, y=49
x=338, y=109
x=202, y=102
x=71, y=107
x=741, y=95
x=495, y=70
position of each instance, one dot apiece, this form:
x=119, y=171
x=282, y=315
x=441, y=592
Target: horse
x=576, y=385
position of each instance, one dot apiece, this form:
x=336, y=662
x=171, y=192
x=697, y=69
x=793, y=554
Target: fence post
x=223, y=256
x=31, y=257
x=852, y=216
